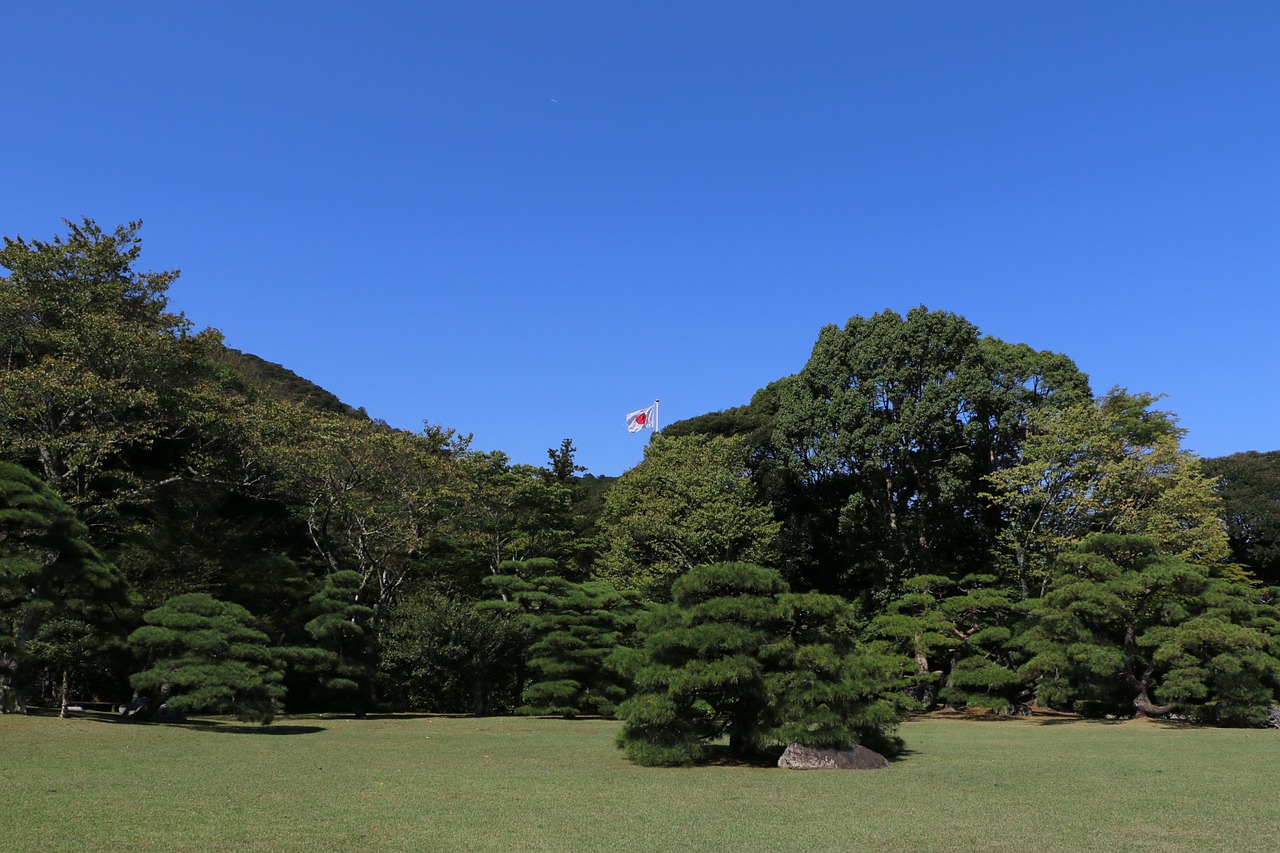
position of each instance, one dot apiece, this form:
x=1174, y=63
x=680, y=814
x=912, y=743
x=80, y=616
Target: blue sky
x=523, y=220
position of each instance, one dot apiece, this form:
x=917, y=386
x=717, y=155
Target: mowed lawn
x=434, y=783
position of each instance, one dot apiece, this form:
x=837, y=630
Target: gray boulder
x=801, y=757
x=138, y=708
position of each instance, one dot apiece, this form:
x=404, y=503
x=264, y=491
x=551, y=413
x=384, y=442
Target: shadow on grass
x=241, y=728
x=718, y=755
x=1039, y=717
x=198, y=725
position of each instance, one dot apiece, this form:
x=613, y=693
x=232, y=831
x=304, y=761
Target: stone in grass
x=167, y=714
x=801, y=757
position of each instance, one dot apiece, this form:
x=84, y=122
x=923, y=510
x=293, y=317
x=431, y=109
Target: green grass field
x=433, y=783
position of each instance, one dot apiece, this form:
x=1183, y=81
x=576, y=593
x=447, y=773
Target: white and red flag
x=646, y=418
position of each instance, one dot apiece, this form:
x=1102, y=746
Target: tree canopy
x=1125, y=627
x=1249, y=485
x=691, y=501
x=886, y=435
x=736, y=655
x=917, y=512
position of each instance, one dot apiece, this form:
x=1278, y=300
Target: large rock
x=137, y=709
x=167, y=714
x=801, y=757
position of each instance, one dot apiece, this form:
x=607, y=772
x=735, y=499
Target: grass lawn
x=434, y=783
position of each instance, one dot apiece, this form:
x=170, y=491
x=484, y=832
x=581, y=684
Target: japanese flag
x=637, y=421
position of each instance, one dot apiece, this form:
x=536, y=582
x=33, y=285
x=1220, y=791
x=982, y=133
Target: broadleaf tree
x=1249, y=485
x=101, y=385
x=690, y=502
x=1112, y=465
x=884, y=438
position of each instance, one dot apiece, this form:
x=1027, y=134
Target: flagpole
x=655, y=415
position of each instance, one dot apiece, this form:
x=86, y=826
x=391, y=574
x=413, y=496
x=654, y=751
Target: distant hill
x=284, y=383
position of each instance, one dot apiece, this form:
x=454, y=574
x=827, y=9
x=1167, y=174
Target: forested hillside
x=920, y=516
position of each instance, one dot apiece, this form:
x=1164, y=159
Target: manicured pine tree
x=206, y=655
x=1223, y=666
x=572, y=628
x=344, y=654
x=828, y=688
x=1124, y=627
x=735, y=655
x=960, y=635
x=699, y=674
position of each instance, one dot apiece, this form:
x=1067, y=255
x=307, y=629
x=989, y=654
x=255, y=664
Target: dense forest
x=921, y=517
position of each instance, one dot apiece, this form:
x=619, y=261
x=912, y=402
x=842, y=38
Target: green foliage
x=884, y=439
x=572, y=628
x=911, y=455
x=281, y=383
x=738, y=655
x=1113, y=465
x=347, y=661
x=206, y=655
x=205, y=537
x=959, y=633
x=828, y=688
x=48, y=571
x=1124, y=625
x=1223, y=666
x=690, y=502
x=754, y=423
x=516, y=512
x=77, y=657
x=562, y=468
x=100, y=385
x=1249, y=485
x=587, y=494
x=374, y=500
x=450, y=656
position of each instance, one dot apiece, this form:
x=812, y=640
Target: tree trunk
x=1146, y=708
x=955, y=661
x=11, y=696
x=925, y=691
x=11, y=699
x=737, y=739
x=62, y=709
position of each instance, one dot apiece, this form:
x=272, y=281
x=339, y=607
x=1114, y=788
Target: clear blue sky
x=523, y=220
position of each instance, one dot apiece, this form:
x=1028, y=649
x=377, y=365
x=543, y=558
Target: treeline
x=921, y=516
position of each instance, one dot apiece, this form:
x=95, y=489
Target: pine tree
x=959, y=634
x=346, y=650
x=207, y=656
x=736, y=655
x=1126, y=628
x=48, y=571
x=573, y=628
